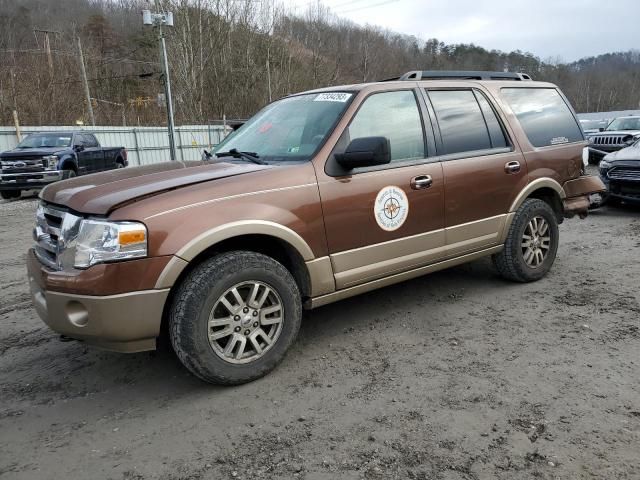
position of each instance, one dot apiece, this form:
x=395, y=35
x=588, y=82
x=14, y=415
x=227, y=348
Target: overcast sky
x=569, y=29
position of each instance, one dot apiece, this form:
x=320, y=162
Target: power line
x=69, y=54
x=357, y=9
x=99, y=79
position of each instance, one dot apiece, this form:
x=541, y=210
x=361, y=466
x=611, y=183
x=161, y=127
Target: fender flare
x=68, y=161
x=218, y=234
x=537, y=184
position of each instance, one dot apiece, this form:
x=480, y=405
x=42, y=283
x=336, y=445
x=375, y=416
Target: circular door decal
x=391, y=208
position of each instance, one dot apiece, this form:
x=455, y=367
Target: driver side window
x=393, y=115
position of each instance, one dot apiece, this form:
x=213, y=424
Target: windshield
x=44, y=140
x=592, y=124
x=291, y=129
x=632, y=123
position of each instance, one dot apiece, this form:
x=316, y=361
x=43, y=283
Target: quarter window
x=462, y=125
x=393, y=115
x=544, y=115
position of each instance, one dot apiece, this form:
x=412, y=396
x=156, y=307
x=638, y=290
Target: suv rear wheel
x=532, y=243
x=234, y=317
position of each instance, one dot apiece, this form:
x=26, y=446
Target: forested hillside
x=230, y=57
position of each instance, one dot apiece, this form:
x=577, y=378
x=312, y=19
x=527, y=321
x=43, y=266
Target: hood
x=100, y=193
x=631, y=133
x=625, y=154
x=31, y=152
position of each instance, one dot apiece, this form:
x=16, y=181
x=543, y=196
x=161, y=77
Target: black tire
x=9, y=194
x=119, y=163
x=510, y=262
x=196, y=297
x=70, y=173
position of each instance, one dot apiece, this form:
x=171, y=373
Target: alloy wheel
x=536, y=242
x=245, y=322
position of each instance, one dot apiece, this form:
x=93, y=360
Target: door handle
x=421, y=181
x=512, y=167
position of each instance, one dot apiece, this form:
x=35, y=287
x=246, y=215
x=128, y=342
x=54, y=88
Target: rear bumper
x=577, y=192
x=24, y=181
x=127, y=322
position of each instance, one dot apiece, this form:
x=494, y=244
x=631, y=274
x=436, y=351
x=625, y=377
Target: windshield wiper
x=235, y=153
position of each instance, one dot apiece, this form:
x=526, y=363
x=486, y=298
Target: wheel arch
x=545, y=189
x=68, y=163
x=274, y=240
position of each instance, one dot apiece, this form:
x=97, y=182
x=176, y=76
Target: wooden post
x=17, y=124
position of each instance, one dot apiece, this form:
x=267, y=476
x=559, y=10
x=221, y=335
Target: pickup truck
x=45, y=157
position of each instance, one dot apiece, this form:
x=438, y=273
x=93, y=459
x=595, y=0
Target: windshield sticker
x=559, y=140
x=391, y=208
x=332, y=97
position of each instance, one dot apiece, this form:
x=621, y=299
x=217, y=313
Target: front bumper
x=125, y=322
x=627, y=190
x=24, y=181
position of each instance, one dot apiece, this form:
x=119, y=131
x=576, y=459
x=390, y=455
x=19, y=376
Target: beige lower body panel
x=128, y=322
x=373, y=262
x=399, y=277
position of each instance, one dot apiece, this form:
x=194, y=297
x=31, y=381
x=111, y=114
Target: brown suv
x=320, y=196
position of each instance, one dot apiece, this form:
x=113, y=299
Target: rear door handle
x=421, y=181
x=512, y=167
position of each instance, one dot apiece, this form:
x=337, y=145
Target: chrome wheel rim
x=536, y=242
x=245, y=322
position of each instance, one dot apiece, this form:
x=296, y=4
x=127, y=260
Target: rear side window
x=462, y=125
x=90, y=140
x=544, y=115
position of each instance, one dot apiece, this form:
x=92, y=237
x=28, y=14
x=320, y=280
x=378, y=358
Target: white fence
x=144, y=144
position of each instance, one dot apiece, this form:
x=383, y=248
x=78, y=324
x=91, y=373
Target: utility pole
x=86, y=85
x=47, y=46
x=157, y=20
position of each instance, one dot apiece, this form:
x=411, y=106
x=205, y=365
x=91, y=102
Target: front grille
x=625, y=173
x=49, y=223
x=22, y=165
x=609, y=140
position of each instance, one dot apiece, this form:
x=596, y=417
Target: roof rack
x=460, y=75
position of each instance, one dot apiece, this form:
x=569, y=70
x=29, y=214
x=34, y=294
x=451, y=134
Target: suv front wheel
x=532, y=243
x=234, y=317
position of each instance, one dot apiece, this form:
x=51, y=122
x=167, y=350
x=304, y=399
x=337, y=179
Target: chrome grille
x=47, y=235
x=22, y=165
x=609, y=139
x=622, y=173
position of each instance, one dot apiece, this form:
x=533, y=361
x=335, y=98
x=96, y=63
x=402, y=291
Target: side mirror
x=365, y=152
x=78, y=148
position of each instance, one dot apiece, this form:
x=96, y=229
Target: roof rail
x=460, y=75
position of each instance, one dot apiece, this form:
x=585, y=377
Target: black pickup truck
x=45, y=157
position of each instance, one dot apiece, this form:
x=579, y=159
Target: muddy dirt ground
x=456, y=375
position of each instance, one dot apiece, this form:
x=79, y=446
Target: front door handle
x=421, y=181
x=512, y=167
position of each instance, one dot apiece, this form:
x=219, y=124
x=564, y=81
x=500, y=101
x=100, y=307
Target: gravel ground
x=456, y=375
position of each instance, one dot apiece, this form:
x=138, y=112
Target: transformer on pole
x=158, y=20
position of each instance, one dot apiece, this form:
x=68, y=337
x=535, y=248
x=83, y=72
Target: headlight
x=604, y=165
x=100, y=241
x=590, y=139
x=50, y=162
